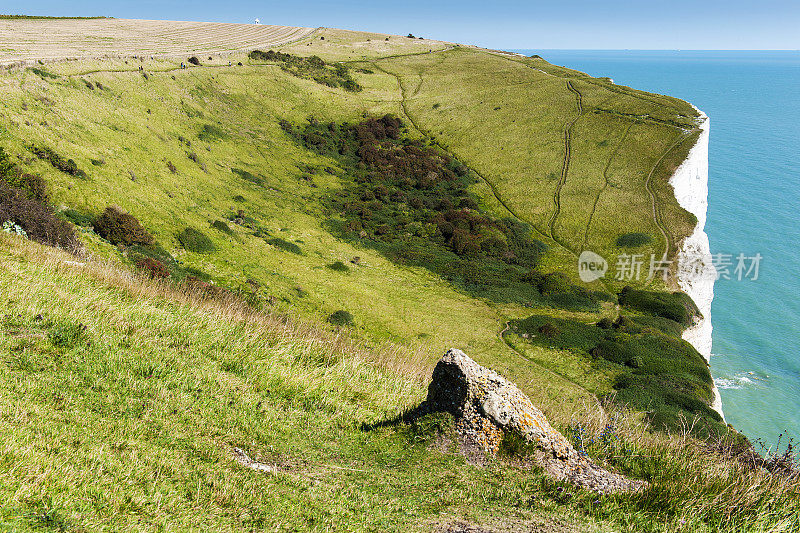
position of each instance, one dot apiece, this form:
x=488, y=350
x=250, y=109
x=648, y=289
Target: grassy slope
x=121, y=401
x=246, y=102
x=132, y=424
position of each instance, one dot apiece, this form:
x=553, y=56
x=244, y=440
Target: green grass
x=506, y=119
x=121, y=401
x=230, y=117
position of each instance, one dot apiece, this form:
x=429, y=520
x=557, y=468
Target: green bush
x=222, y=226
x=341, y=318
x=194, y=61
x=211, y=133
x=676, y=306
x=193, y=240
x=313, y=67
x=78, y=218
x=285, y=245
x=68, y=166
x=248, y=176
x=632, y=240
x=338, y=266
x=120, y=228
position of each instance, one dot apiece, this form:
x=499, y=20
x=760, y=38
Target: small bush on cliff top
x=676, y=306
x=120, y=228
x=341, y=318
x=632, y=240
x=196, y=241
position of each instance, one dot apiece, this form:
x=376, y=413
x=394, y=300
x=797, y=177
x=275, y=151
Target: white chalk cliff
x=696, y=273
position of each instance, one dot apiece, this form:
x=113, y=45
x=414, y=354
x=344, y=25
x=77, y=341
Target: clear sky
x=598, y=24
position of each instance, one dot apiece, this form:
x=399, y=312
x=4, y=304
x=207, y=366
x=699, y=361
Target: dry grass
x=55, y=39
x=276, y=327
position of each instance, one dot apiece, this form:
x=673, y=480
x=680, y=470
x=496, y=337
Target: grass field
x=185, y=148
x=202, y=158
x=40, y=38
x=123, y=401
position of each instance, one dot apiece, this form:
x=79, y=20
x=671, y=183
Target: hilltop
x=275, y=246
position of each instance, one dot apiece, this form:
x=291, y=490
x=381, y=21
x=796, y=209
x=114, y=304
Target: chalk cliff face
x=696, y=273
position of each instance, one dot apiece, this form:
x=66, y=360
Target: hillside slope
x=401, y=195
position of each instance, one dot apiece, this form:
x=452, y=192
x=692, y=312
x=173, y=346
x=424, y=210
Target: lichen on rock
x=486, y=406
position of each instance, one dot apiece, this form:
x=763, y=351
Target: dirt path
x=656, y=209
x=605, y=186
x=565, y=165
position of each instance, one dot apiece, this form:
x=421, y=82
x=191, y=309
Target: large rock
x=486, y=405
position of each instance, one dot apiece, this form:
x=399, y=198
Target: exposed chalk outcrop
x=695, y=269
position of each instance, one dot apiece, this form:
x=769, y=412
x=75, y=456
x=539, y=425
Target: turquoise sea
x=753, y=100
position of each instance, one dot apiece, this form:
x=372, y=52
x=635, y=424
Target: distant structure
x=258, y=21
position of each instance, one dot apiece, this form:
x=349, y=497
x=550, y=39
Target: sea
x=753, y=101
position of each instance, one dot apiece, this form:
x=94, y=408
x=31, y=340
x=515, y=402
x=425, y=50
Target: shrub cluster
x=211, y=133
x=633, y=240
x=676, y=306
x=194, y=60
x=121, y=228
x=341, y=318
x=222, y=226
x=411, y=201
x=36, y=218
x=248, y=176
x=194, y=240
x=23, y=203
x=655, y=371
x=338, y=266
x=313, y=67
x=68, y=166
x=285, y=245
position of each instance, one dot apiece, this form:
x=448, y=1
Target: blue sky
x=609, y=24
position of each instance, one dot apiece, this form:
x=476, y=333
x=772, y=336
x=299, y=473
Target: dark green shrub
x=313, y=67
x=248, y=176
x=285, y=245
x=222, y=226
x=632, y=240
x=676, y=306
x=338, y=266
x=341, y=318
x=211, y=133
x=34, y=185
x=549, y=330
x=98, y=162
x=42, y=73
x=193, y=60
x=120, y=228
x=193, y=240
x=604, y=323
x=239, y=198
x=68, y=166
